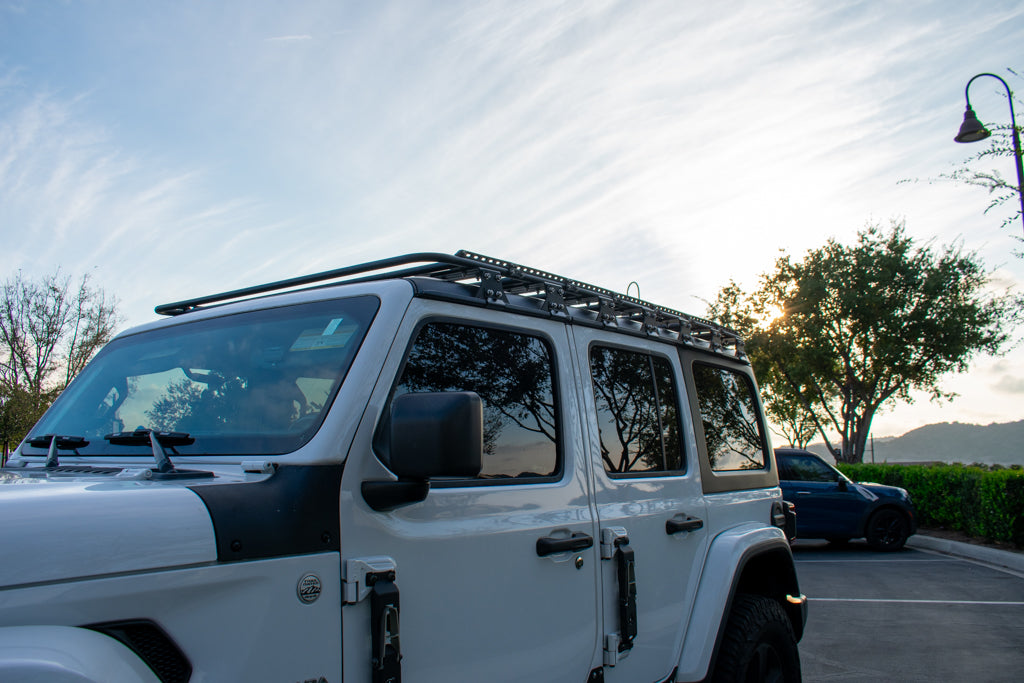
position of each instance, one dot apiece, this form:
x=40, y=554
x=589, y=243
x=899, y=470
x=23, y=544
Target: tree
x=49, y=330
x=864, y=325
x=793, y=418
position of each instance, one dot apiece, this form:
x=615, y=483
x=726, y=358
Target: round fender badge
x=309, y=588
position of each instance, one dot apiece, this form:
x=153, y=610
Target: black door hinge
x=626, y=570
x=384, y=628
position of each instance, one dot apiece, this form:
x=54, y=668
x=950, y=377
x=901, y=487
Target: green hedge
x=978, y=501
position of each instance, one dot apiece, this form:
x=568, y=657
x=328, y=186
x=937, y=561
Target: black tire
x=887, y=530
x=758, y=644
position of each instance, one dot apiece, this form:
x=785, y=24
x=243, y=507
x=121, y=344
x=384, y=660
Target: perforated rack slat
x=496, y=279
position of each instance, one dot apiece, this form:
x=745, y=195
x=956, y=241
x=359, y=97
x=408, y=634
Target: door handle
x=549, y=545
x=675, y=526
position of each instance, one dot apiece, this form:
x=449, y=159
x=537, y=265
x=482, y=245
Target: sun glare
x=770, y=314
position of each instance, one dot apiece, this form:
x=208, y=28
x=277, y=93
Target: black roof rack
x=495, y=280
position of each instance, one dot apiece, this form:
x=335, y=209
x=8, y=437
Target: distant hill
x=992, y=444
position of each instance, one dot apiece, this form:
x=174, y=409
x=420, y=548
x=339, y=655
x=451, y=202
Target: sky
x=175, y=149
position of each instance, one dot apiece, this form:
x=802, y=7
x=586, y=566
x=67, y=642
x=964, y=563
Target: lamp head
x=971, y=130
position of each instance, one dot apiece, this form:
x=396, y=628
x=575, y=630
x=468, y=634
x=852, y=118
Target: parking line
x=922, y=602
x=951, y=559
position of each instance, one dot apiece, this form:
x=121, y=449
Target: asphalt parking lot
x=913, y=615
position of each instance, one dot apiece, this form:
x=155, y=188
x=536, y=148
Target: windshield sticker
x=334, y=336
x=332, y=326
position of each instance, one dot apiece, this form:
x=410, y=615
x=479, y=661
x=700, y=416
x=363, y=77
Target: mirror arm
x=387, y=495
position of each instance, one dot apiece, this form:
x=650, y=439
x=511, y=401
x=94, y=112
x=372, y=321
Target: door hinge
x=615, y=546
x=611, y=537
x=613, y=652
x=375, y=577
x=355, y=587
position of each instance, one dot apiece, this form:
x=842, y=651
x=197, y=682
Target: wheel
x=887, y=530
x=758, y=644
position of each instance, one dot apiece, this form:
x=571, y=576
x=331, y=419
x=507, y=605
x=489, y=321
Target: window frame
x=720, y=481
x=560, y=469
x=235, y=443
x=678, y=382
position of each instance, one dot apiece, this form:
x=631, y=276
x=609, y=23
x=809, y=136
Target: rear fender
x=64, y=654
x=747, y=558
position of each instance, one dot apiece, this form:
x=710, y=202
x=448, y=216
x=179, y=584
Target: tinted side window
x=637, y=411
x=513, y=375
x=802, y=468
x=732, y=428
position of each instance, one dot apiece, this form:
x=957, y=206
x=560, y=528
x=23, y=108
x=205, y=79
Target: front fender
x=64, y=654
x=729, y=552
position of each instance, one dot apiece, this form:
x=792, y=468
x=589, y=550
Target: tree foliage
x=49, y=330
x=863, y=326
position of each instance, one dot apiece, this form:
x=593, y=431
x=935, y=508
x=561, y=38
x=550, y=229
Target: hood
x=54, y=528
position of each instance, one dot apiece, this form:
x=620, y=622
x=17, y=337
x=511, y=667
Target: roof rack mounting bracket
x=650, y=323
x=606, y=311
x=685, y=331
x=554, y=300
x=490, y=286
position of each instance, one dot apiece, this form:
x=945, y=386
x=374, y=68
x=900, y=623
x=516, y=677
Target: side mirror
x=842, y=485
x=429, y=435
x=436, y=435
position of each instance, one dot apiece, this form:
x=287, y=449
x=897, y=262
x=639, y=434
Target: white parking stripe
x=845, y=561
x=921, y=602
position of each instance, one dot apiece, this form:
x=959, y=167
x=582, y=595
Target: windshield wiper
x=165, y=469
x=52, y=442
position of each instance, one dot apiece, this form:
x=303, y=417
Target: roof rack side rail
x=179, y=307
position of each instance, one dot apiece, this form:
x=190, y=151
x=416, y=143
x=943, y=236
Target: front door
x=480, y=598
x=826, y=505
x=646, y=487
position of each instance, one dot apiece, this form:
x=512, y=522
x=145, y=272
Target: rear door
x=480, y=598
x=648, y=496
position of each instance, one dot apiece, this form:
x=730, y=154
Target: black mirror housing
x=436, y=435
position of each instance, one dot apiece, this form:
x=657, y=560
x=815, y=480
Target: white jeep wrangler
x=430, y=468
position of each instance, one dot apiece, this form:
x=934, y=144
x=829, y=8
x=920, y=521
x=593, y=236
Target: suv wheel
x=887, y=530
x=759, y=644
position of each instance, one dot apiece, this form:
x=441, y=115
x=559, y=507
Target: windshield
x=251, y=383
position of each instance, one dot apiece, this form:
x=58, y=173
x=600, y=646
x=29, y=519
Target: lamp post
x=972, y=130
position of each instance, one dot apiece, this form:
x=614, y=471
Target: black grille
x=152, y=645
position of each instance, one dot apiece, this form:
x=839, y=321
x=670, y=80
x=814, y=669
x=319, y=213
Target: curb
x=1000, y=558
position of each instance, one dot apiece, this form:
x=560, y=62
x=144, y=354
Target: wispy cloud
x=289, y=39
x=72, y=195
x=672, y=143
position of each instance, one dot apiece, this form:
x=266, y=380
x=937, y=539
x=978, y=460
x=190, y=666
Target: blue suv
x=831, y=506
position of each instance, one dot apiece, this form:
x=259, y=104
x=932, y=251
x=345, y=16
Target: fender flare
x=66, y=654
x=729, y=553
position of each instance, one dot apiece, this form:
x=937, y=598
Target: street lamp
x=972, y=130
